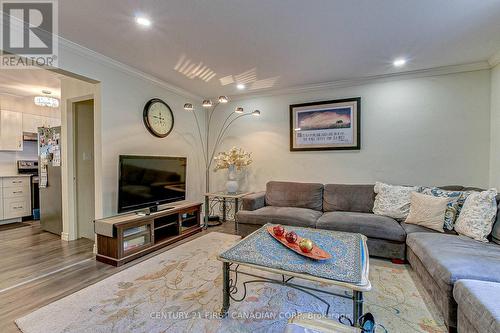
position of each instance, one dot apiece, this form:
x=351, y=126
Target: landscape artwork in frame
x=328, y=125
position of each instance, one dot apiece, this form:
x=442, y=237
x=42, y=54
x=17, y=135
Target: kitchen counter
x=14, y=175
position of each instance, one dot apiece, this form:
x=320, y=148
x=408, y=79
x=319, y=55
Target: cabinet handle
x=17, y=192
x=17, y=207
x=16, y=182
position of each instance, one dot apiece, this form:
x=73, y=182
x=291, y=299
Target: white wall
x=428, y=131
x=495, y=127
x=123, y=95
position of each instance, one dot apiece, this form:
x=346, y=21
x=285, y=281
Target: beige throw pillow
x=427, y=211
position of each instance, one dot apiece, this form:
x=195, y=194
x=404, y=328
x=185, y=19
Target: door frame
x=75, y=158
x=70, y=224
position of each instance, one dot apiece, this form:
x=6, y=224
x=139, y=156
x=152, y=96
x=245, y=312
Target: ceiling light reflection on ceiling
x=144, y=21
x=399, y=62
x=193, y=70
x=240, y=86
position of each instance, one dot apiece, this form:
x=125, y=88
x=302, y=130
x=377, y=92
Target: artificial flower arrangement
x=235, y=157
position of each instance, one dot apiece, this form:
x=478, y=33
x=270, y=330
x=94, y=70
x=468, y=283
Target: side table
x=227, y=200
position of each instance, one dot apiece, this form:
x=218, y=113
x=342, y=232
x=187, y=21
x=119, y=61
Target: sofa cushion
x=495, y=233
x=478, y=302
x=294, y=216
x=393, y=200
x=453, y=205
x=411, y=228
x=478, y=215
x=290, y=194
x=428, y=211
x=449, y=258
x=370, y=225
x=348, y=198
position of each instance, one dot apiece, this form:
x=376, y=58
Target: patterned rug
x=180, y=291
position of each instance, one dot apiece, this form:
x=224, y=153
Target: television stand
x=125, y=237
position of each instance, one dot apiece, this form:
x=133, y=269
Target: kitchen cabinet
x=15, y=197
x=31, y=122
x=11, y=130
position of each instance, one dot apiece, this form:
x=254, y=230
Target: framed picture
x=328, y=125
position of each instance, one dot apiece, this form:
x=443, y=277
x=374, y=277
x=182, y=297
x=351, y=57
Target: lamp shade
x=239, y=109
x=223, y=99
x=256, y=113
x=188, y=107
x=207, y=103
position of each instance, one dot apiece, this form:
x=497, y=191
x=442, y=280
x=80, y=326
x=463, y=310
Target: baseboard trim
x=65, y=236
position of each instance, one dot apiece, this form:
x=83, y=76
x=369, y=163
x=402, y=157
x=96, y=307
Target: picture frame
x=326, y=125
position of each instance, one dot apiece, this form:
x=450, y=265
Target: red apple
x=306, y=245
x=291, y=237
x=279, y=230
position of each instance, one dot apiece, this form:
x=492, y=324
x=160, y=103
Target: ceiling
x=29, y=82
x=270, y=44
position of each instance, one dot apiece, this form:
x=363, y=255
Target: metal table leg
x=236, y=208
x=225, y=289
x=357, y=306
x=224, y=215
x=207, y=212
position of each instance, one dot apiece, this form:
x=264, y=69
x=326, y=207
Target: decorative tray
x=316, y=252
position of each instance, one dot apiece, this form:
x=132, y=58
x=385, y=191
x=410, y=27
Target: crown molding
x=494, y=59
x=112, y=63
x=444, y=70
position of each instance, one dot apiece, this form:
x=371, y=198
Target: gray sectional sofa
x=439, y=259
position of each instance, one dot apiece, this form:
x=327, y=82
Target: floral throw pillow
x=453, y=207
x=477, y=215
x=393, y=200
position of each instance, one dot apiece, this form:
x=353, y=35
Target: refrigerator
x=49, y=172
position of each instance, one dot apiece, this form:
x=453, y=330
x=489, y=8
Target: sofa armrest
x=254, y=201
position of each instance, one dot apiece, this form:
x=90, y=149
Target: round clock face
x=158, y=118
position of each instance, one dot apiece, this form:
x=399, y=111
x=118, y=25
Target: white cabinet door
x=11, y=130
x=31, y=122
x=54, y=122
x=16, y=207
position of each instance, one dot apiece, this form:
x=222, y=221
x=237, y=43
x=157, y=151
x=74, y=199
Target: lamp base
x=213, y=221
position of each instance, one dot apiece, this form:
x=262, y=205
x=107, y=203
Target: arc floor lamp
x=209, y=147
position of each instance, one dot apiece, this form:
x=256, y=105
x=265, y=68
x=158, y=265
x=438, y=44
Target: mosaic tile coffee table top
x=347, y=250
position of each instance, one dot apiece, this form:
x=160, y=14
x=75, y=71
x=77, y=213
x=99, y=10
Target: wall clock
x=158, y=118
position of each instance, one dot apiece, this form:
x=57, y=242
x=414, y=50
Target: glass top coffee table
x=348, y=267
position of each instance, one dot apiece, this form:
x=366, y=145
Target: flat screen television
x=149, y=181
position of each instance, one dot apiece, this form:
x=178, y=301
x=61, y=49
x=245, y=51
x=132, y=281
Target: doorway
x=83, y=115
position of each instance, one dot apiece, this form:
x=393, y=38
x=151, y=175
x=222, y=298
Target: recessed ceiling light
x=144, y=21
x=240, y=86
x=399, y=62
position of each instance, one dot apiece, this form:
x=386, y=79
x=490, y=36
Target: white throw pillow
x=393, y=200
x=477, y=215
x=428, y=211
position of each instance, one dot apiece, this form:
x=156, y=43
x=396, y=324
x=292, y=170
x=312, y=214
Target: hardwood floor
x=37, y=268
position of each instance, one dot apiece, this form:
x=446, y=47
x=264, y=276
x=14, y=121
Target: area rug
x=179, y=290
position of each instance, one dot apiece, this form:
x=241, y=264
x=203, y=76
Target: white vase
x=232, y=180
